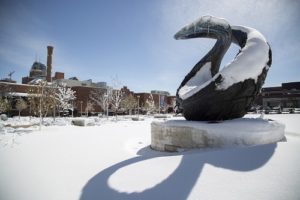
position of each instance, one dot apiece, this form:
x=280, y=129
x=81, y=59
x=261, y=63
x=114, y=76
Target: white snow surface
x=249, y=64
x=112, y=160
x=203, y=75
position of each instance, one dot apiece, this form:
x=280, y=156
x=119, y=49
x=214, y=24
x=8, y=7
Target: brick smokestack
x=49, y=62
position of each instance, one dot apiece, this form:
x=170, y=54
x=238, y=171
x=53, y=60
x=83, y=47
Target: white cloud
x=19, y=45
x=24, y=38
x=277, y=20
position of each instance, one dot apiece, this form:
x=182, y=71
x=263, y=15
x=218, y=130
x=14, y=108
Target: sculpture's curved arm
x=208, y=27
x=208, y=66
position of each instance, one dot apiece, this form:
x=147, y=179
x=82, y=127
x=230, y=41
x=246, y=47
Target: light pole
x=138, y=97
x=30, y=110
x=72, y=108
x=158, y=103
x=106, y=102
x=40, y=127
x=80, y=108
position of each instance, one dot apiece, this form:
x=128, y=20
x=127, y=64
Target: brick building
x=40, y=71
x=82, y=94
x=83, y=97
x=162, y=99
x=285, y=96
x=163, y=102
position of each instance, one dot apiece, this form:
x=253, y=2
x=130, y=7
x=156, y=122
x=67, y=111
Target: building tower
x=49, y=62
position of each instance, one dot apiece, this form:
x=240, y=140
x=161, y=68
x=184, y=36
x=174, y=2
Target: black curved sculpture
x=209, y=94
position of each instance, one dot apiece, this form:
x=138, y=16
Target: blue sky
x=133, y=39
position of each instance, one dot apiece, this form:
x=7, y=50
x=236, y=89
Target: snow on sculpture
x=209, y=94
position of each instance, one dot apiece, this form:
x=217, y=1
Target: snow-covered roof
x=18, y=94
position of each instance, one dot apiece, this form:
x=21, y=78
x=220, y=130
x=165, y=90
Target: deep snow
x=113, y=161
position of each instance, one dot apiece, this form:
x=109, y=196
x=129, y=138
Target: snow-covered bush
x=21, y=105
x=65, y=97
x=4, y=105
x=150, y=104
x=3, y=117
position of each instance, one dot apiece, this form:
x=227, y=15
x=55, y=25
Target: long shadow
x=180, y=183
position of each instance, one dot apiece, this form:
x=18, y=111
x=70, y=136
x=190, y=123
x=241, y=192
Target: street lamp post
x=106, y=102
x=30, y=111
x=40, y=127
x=81, y=108
x=159, y=103
x=72, y=108
x=138, y=97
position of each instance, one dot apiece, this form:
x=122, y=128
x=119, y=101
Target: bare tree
x=129, y=103
x=150, y=104
x=100, y=97
x=20, y=105
x=116, y=99
x=41, y=99
x=89, y=107
x=116, y=95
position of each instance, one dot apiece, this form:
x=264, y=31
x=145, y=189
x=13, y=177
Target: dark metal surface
x=210, y=103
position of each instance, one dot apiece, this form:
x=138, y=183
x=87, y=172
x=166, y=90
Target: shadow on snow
x=180, y=183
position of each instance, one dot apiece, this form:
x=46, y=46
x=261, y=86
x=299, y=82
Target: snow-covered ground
x=112, y=160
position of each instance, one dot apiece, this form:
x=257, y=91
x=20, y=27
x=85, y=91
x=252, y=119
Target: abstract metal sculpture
x=209, y=94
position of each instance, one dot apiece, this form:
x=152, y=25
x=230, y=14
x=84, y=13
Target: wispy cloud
x=156, y=60
x=277, y=20
x=24, y=38
x=20, y=45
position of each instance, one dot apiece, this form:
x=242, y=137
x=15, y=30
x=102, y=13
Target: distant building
x=58, y=75
x=160, y=92
x=286, y=96
x=40, y=71
x=162, y=99
x=74, y=82
x=83, y=97
x=8, y=80
x=37, y=71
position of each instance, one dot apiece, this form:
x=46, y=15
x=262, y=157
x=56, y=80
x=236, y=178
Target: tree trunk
x=54, y=113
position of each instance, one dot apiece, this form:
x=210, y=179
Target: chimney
x=49, y=62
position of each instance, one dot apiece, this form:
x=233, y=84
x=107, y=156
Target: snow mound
x=83, y=122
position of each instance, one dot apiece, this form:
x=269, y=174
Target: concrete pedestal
x=83, y=122
x=174, y=135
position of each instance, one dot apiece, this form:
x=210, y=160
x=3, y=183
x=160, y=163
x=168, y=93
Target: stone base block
x=174, y=135
x=137, y=119
x=83, y=122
